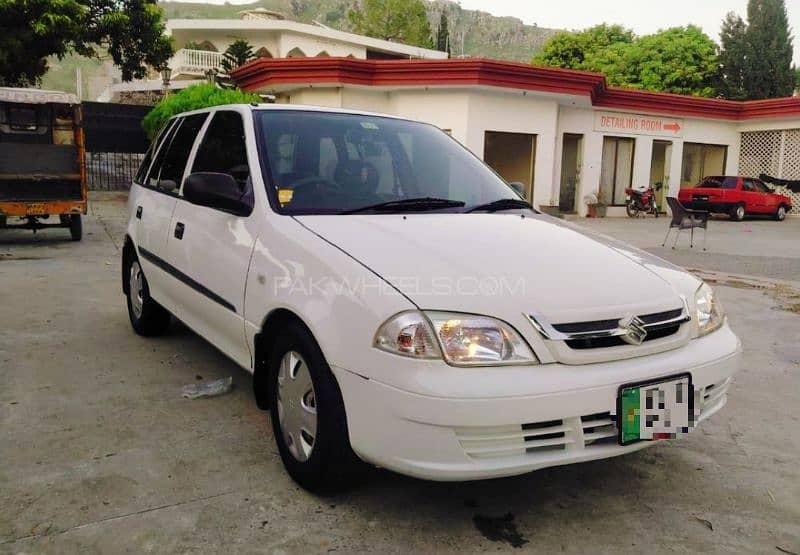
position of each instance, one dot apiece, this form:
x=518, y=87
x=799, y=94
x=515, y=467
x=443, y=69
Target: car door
x=753, y=202
x=154, y=207
x=209, y=249
x=769, y=202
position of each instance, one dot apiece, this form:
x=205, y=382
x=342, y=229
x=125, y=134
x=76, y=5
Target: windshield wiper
x=500, y=204
x=409, y=205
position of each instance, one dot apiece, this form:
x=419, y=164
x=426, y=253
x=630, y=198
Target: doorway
x=512, y=155
x=659, y=169
x=701, y=160
x=571, y=158
x=616, y=169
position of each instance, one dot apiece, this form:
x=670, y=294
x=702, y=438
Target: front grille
x=520, y=439
x=600, y=428
x=659, y=325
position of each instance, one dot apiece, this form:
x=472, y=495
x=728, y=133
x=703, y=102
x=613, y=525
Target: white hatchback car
x=398, y=303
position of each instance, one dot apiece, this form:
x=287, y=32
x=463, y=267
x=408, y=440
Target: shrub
x=192, y=98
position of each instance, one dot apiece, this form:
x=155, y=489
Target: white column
x=675, y=167
x=642, y=158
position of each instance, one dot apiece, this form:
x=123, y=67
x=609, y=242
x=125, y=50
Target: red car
x=736, y=196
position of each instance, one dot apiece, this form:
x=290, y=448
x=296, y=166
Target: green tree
x=768, y=66
x=131, y=31
x=443, y=34
x=404, y=21
x=732, y=57
x=192, y=98
x=679, y=60
x=237, y=54
x=579, y=50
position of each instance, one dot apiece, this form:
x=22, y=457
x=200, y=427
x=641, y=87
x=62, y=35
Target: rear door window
x=177, y=155
x=223, y=149
x=158, y=159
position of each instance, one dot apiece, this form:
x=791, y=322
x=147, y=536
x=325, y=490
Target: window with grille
x=775, y=153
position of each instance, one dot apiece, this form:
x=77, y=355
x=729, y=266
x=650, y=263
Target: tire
x=319, y=457
x=3, y=222
x=147, y=317
x=737, y=213
x=780, y=214
x=76, y=227
x=631, y=209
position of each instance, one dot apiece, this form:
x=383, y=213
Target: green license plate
x=656, y=409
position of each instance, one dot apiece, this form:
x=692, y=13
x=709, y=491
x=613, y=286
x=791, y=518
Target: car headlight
x=710, y=315
x=461, y=339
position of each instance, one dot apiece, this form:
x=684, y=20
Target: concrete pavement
x=101, y=454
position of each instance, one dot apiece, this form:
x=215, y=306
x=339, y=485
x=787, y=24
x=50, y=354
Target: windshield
x=328, y=163
x=718, y=182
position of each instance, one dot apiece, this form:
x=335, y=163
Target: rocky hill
x=472, y=33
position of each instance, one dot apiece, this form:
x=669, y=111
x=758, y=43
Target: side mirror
x=219, y=191
x=519, y=187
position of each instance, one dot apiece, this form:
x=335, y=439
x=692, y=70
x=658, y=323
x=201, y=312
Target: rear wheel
x=308, y=416
x=147, y=317
x=632, y=209
x=75, y=227
x=780, y=214
x=737, y=213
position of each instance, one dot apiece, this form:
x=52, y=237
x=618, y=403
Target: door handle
x=179, y=228
x=138, y=212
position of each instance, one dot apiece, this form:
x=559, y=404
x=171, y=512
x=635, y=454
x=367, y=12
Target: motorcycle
x=642, y=201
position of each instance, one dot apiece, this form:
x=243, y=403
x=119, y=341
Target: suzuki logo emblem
x=635, y=332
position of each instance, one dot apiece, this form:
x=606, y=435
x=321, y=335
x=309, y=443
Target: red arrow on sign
x=672, y=127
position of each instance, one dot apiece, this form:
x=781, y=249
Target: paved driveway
x=100, y=454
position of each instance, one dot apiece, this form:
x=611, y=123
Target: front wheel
x=780, y=215
x=75, y=227
x=147, y=317
x=632, y=209
x=308, y=415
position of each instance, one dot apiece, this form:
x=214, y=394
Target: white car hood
x=503, y=265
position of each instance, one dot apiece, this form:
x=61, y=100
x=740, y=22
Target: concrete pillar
x=642, y=157
x=591, y=158
x=675, y=166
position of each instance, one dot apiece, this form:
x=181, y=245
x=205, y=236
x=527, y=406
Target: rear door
x=156, y=199
x=769, y=201
x=209, y=249
x=752, y=197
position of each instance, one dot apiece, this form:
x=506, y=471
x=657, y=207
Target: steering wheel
x=315, y=184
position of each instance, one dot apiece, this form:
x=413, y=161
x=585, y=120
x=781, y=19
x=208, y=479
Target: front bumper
x=438, y=437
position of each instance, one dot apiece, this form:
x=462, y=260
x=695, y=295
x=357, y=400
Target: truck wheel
x=148, y=318
x=737, y=213
x=308, y=417
x=780, y=214
x=76, y=227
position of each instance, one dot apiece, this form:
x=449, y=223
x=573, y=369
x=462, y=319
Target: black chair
x=683, y=218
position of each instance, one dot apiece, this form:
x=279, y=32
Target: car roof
x=266, y=107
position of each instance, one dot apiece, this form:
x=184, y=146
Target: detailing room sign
x=637, y=124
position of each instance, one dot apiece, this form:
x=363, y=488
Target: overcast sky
x=643, y=16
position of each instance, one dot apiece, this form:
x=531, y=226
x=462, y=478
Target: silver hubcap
x=136, y=289
x=740, y=212
x=297, y=406
x=781, y=213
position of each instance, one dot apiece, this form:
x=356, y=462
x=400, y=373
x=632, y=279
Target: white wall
x=515, y=113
